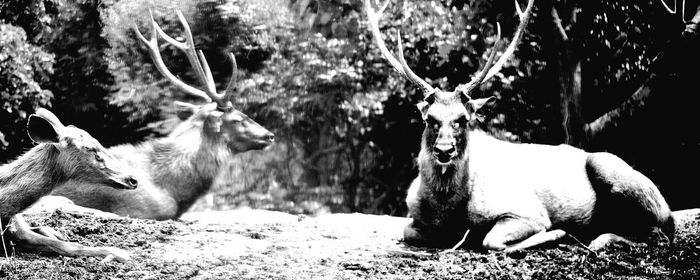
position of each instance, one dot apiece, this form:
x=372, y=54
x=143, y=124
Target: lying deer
x=64, y=153
x=515, y=196
x=176, y=170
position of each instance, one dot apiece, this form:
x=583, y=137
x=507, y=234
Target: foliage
x=625, y=36
x=36, y=17
x=24, y=67
x=310, y=71
x=218, y=27
x=82, y=82
x=356, y=121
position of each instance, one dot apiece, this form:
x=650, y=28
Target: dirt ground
x=259, y=244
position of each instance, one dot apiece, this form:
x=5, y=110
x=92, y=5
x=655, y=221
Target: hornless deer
x=176, y=170
x=64, y=153
x=515, y=196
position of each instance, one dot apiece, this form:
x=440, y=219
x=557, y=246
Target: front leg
x=22, y=233
x=436, y=225
x=421, y=235
x=515, y=233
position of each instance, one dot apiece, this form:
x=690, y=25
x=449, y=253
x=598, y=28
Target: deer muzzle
x=123, y=182
x=444, y=152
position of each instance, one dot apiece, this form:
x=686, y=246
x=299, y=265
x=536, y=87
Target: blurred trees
x=346, y=124
x=25, y=68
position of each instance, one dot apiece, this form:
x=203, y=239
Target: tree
x=631, y=56
x=24, y=67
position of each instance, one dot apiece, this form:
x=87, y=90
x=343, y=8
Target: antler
x=400, y=65
x=491, y=69
x=196, y=59
x=675, y=8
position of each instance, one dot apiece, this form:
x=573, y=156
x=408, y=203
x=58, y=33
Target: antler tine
x=675, y=8
x=386, y=4
x=234, y=77
x=195, y=57
x=400, y=66
x=186, y=47
x=191, y=54
x=210, y=77
x=668, y=9
x=407, y=70
x=154, y=52
x=489, y=62
x=524, y=20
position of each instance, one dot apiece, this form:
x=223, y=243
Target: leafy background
x=346, y=124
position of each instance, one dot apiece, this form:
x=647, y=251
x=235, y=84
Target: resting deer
x=176, y=170
x=64, y=153
x=515, y=196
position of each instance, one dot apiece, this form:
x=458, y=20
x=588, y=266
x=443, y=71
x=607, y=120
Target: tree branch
x=626, y=110
x=557, y=24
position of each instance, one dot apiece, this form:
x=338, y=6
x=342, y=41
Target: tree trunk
x=604, y=127
x=567, y=64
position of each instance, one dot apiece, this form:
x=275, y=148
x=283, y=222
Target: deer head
x=218, y=117
x=79, y=155
x=447, y=114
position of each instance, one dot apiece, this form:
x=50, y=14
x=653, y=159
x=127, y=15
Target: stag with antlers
x=176, y=170
x=514, y=196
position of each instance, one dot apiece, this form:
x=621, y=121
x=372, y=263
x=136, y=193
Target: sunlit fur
x=71, y=155
x=524, y=189
x=176, y=170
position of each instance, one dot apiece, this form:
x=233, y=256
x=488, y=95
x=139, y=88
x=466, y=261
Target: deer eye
x=432, y=123
x=98, y=157
x=460, y=123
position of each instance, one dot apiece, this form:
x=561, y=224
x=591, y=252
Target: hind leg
x=630, y=204
x=607, y=239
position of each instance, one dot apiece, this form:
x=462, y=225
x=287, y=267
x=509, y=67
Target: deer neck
x=31, y=176
x=441, y=180
x=186, y=163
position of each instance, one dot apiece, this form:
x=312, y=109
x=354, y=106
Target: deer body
x=20, y=178
x=173, y=173
x=176, y=170
x=530, y=189
x=514, y=196
x=64, y=153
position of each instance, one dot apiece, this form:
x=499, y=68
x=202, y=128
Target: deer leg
x=539, y=238
x=49, y=232
x=606, y=239
x=23, y=234
x=416, y=236
x=507, y=231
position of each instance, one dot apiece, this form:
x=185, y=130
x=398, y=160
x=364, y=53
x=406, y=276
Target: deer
x=176, y=170
x=63, y=153
x=514, y=196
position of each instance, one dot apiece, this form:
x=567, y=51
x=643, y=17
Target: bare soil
x=259, y=244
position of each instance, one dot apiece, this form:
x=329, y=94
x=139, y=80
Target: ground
x=259, y=244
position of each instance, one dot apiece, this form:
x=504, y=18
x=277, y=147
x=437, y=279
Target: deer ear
x=185, y=110
x=476, y=104
x=44, y=127
x=214, y=120
x=423, y=108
